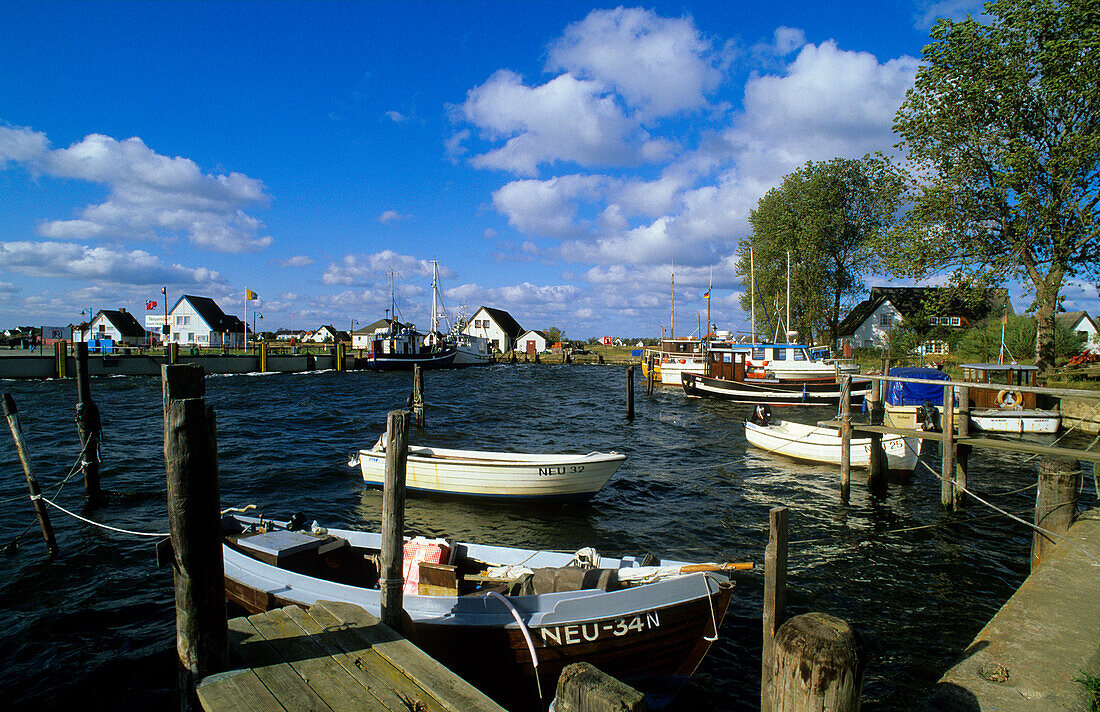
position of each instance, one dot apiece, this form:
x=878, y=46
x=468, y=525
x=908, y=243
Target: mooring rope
x=100, y=525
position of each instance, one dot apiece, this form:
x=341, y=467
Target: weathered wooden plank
x=1010, y=445
x=332, y=683
x=236, y=691
x=278, y=676
x=381, y=681
x=455, y=693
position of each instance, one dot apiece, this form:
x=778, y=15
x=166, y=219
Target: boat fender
x=1009, y=399
x=761, y=415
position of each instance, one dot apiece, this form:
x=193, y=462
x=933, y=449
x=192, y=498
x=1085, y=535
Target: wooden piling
x=61, y=359
x=845, y=437
x=584, y=688
x=418, y=395
x=949, y=496
x=819, y=665
x=878, y=462
x=393, y=517
x=12, y=416
x=263, y=357
x=775, y=599
x=87, y=425
x=173, y=353
x=1055, y=503
x=194, y=520
x=630, y=393
x=962, y=452
x=651, y=375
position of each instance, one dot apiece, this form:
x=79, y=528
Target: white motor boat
x=821, y=444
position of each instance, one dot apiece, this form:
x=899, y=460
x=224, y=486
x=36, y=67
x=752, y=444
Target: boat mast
x=672, y=322
x=709, y=287
x=435, y=308
x=788, y=296
x=752, y=294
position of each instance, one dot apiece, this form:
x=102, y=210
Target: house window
x=934, y=347
x=956, y=321
x=886, y=319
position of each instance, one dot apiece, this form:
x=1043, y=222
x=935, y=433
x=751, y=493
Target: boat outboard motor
x=928, y=415
x=297, y=522
x=761, y=414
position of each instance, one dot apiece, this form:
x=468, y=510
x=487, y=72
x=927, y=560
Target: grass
x=1092, y=684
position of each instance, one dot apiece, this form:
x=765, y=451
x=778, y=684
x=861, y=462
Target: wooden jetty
x=335, y=656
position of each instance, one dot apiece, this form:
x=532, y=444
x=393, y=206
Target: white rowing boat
x=821, y=444
x=475, y=473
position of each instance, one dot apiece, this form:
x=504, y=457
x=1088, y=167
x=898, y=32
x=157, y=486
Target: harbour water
x=94, y=627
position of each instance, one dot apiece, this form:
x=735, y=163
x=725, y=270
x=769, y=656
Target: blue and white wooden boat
x=508, y=475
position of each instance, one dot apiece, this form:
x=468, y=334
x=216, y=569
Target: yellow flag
x=249, y=295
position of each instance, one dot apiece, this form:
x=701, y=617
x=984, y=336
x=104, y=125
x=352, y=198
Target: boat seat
x=570, y=578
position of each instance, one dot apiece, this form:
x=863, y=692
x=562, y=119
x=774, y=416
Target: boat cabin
x=1011, y=376
x=681, y=346
x=728, y=365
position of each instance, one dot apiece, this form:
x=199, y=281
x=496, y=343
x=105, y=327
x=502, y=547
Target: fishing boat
x=728, y=377
x=821, y=444
x=507, y=620
x=1007, y=410
x=504, y=475
x=400, y=349
x=470, y=350
x=674, y=358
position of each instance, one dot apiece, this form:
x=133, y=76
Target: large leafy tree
x=826, y=215
x=1002, y=131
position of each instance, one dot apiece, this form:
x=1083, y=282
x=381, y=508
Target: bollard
x=393, y=517
x=194, y=519
x=263, y=357
x=819, y=665
x=630, y=393
x=584, y=688
x=87, y=425
x=775, y=599
x=1055, y=503
x=12, y=416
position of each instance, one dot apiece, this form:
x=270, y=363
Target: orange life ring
x=1010, y=399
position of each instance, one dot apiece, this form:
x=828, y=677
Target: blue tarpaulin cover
x=915, y=393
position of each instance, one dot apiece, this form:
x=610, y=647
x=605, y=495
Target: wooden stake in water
x=949, y=496
x=630, y=393
x=12, y=416
x=393, y=517
x=1055, y=503
x=194, y=519
x=845, y=437
x=87, y=425
x=418, y=395
x=775, y=598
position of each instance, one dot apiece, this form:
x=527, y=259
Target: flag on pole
x=150, y=305
x=706, y=295
x=249, y=295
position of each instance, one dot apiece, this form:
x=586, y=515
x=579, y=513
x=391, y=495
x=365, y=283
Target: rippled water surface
x=95, y=626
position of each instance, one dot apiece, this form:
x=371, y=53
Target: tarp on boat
x=915, y=393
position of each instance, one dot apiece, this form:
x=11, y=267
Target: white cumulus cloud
x=101, y=264
x=368, y=269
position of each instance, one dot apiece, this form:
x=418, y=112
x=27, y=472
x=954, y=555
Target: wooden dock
x=337, y=657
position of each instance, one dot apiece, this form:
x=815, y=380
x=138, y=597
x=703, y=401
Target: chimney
x=122, y=309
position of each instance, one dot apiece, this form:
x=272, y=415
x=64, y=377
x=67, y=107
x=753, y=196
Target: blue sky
x=556, y=158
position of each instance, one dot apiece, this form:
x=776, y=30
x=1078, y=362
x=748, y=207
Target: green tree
x=554, y=335
x=984, y=343
x=1002, y=133
x=826, y=216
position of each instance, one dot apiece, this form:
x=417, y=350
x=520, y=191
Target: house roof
x=535, y=331
x=505, y=321
x=1071, y=319
x=124, y=322
x=212, y=314
x=911, y=302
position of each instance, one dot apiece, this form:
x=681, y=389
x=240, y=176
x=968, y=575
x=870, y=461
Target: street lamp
x=87, y=311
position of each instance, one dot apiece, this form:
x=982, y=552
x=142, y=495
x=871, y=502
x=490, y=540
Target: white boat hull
x=671, y=371
x=475, y=473
x=1016, y=421
x=822, y=445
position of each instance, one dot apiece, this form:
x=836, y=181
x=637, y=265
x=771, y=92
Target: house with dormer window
x=495, y=325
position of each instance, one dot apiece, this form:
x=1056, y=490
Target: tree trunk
x=1046, y=304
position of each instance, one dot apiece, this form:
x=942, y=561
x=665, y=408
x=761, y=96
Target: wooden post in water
x=949, y=496
x=87, y=425
x=878, y=462
x=845, y=437
x=962, y=451
x=418, y=395
x=651, y=375
x=819, y=665
x=12, y=416
x=1055, y=503
x=194, y=520
x=393, y=517
x=630, y=393
x=775, y=599
x=582, y=687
